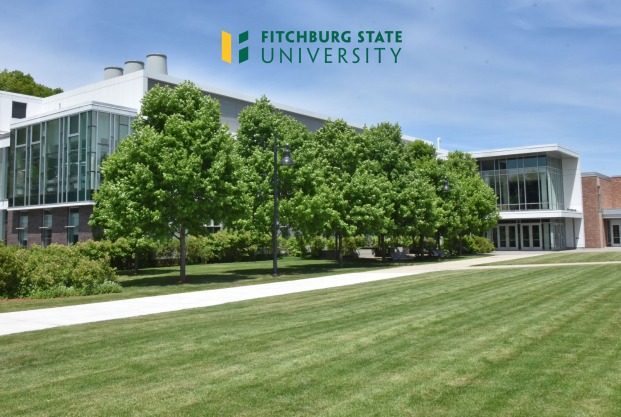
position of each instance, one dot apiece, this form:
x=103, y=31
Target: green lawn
x=521, y=342
x=565, y=257
x=160, y=281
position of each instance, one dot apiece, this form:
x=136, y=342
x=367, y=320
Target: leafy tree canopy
x=18, y=82
x=175, y=173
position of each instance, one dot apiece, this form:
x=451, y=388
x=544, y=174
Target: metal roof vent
x=111, y=72
x=157, y=64
x=133, y=66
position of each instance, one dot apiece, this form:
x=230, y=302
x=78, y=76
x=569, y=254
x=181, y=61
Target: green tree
x=260, y=124
x=339, y=191
x=470, y=205
x=178, y=170
x=18, y=82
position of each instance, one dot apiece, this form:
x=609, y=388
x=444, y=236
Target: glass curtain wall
x=58, y=161
x=525, y=183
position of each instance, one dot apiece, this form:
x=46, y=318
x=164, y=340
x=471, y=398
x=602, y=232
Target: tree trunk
x=382, y=249
x=183, y=253
x=340, y=249
x=136, y=261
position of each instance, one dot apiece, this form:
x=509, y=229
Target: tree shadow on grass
x=157, y=277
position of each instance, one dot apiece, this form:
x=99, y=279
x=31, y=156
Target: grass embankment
x=521, y=342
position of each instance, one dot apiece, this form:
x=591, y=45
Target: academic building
x=51, y=150
x=539, y=194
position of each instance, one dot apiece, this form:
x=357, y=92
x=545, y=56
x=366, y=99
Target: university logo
x=227, y=47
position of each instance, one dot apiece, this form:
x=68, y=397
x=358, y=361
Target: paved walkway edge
x=31, y=320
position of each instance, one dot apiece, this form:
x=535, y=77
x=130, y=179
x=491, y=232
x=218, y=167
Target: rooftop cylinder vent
x=157, y=64
x=111, y=72
x=133, y=66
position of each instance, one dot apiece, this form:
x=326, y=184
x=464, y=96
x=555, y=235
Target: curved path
x=24, y=321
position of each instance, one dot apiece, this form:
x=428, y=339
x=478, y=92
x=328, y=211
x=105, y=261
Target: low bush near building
x=11, y=271
x=478, y=244
x=55, y=271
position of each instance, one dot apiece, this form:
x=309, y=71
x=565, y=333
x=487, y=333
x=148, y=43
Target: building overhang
x=540, y=214
x=68, y=111
x=611, y=213
x=554, y=150
x=52, y=206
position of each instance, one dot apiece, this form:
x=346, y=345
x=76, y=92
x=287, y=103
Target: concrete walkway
x=25, y=321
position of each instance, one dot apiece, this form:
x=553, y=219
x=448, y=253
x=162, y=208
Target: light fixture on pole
x=286, y=161
x=445, y=188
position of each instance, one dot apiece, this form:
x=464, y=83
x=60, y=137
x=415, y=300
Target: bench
x=397, y=255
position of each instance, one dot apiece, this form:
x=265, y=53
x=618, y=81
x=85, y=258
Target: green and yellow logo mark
x=227, y=47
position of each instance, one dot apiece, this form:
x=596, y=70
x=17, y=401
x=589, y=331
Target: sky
x=480, y=74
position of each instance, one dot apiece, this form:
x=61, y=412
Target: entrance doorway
x=531, y=236
x=507, y=236
x=616, y=234
x=518, y=236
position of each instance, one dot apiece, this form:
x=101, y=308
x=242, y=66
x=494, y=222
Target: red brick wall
x=616, y=192
x=610, y=192
x=593, y=222
x=60, y=219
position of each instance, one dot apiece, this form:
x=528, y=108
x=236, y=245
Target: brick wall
x=616, y=192
x=593, y=222
x=60, y=219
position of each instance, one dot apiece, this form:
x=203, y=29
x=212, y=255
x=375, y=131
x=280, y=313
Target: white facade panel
x=126, y=91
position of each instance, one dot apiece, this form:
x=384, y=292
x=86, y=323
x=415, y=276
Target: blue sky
x=481, y=74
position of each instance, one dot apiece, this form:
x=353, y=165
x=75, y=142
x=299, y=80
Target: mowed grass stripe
x=499, y=342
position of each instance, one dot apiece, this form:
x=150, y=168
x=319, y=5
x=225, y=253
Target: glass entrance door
x=507, y=236
x=531, y=236
x=616, y=235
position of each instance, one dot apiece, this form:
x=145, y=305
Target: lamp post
x=445, y=188
x=286, y=161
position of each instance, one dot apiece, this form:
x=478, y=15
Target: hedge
x=55, y=271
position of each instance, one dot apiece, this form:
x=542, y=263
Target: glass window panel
x=34, y=173
x=46, y=237
x=543, y=161
x=74, y=125
x=52, y=144
x=47, y=218
x=513, y=236
x=514, y=192
x=512, y=163
x=4, y=153
x=23, y=220
x=21, y=136
x=526, y=236
x=72, y=229
x=530, y=162
x=36, y=133
x=532, y=191
x=536, y=236
x=487, y=165
x=503, y=236
x=18, y=110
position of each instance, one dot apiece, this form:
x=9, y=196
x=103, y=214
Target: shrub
x=478, y=244
x=317, y=245
x=11, y=271
x=58, y=271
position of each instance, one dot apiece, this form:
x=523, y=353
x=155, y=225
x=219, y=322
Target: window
x=22, y=230
x=46, y=229
x=72, y=227
x=19, y=110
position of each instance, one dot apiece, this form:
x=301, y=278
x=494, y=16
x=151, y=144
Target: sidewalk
x=25, y=321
